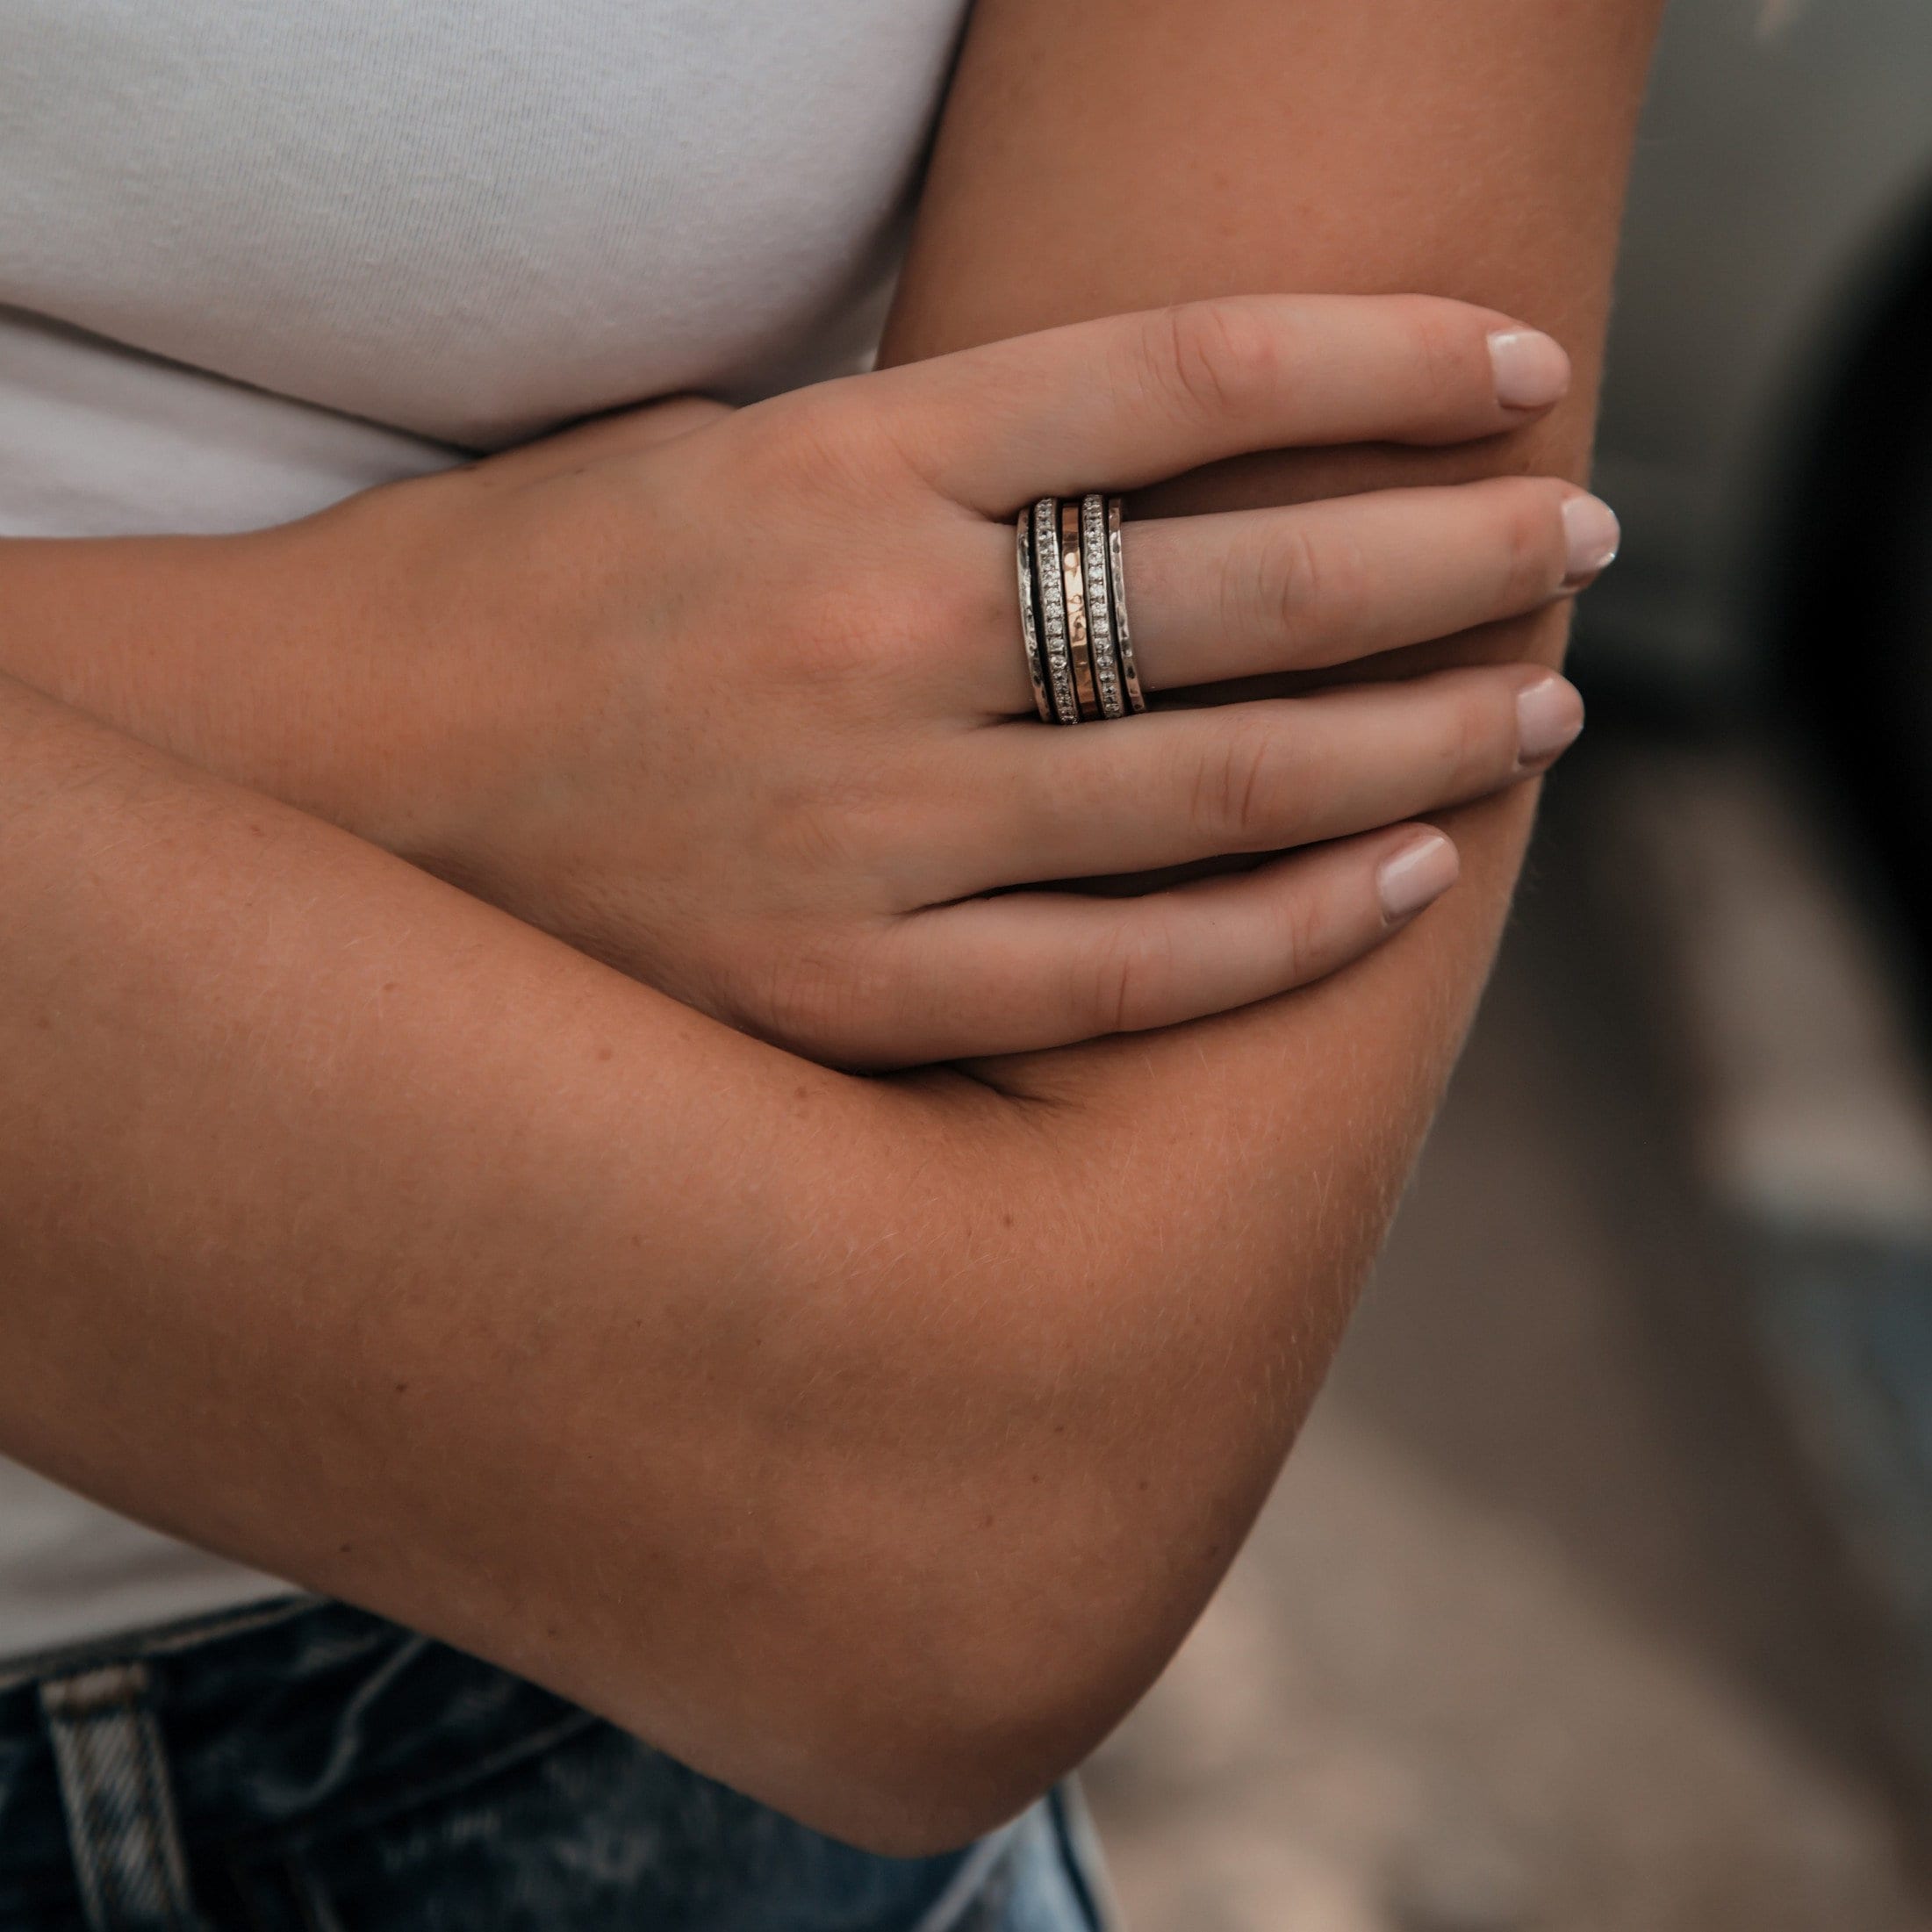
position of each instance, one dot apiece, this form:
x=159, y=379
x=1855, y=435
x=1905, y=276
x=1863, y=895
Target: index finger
x=1129, y=400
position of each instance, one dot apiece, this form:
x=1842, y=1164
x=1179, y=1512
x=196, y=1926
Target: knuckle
x=1447, y=354
x=844, y=634
x=946, y=611
x=1300, y=937
x=815, y=832
x=837, y=821
x=815, y=445
x=1318, y=582
x=825, y=995
x=1532, y=540
x=1482, y=735
x=1212, y=359
x=860, y=637
x=856, y=623
x=1133, y=980
x=1239, y=784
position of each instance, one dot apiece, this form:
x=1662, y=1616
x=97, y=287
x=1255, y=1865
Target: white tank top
x=256, y=254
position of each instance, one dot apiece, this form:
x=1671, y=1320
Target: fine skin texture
x=869, y=1443
x=778, y=777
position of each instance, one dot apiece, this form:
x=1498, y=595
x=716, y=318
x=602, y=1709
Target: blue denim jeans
x=304, y=1767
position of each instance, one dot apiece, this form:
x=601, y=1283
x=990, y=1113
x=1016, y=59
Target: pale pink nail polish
x=1549, y=713
x=1531, y=371
x=1592, y=533
x=1416, y=876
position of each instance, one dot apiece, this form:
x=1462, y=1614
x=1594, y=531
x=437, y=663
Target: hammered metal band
x=1117, y=589
x=1073, y=610
x=1030, y=622
x=1073, y=569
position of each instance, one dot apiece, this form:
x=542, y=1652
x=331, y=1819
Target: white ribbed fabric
x=256, y=254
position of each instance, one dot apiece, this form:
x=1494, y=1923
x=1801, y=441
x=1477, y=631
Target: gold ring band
x=1073, y=570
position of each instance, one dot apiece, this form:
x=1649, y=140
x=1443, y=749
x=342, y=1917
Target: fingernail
x=1592, y=533
x=1420, y=872
x=1531, y=371
x=1549, y=713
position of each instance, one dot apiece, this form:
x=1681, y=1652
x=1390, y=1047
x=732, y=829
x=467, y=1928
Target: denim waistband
x=157, y=1639
x=301, y=1711
x=255, y=1768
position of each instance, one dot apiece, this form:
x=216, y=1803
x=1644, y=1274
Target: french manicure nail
x=1412, y=877
x=1531, y=371
x=1549, y=713
x=1592, y=533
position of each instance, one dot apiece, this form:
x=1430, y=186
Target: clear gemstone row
x=1093, y=543
x=1046, y=564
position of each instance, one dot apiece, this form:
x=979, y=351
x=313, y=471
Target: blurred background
x=1599, y=1595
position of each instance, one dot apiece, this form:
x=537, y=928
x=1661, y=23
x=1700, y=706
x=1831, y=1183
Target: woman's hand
x=737, y=701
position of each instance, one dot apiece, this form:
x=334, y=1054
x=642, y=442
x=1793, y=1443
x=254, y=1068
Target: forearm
x=1163, y=153
x=269, y=1076
x=354, y=664
x=353, y=1228
x=259, y=658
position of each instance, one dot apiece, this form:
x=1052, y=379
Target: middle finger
x=1032, y=804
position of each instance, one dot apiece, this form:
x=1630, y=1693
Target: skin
x=868, y=1443
x=782, y=786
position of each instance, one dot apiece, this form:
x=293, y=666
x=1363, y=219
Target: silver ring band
x=1116, y=583
x=1099, y=629
x=1030, y=627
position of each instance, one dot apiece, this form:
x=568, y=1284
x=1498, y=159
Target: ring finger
x=1243, y=593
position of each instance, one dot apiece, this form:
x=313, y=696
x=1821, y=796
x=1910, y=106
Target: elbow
x=1002, y=1625
x=932, y=1774
x=963, y=1700
x=928, y=1806
x=958, y=1586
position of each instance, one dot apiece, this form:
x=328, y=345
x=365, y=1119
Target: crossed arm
x=869, y=1444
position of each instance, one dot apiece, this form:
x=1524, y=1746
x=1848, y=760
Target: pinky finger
x=1030, y=970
